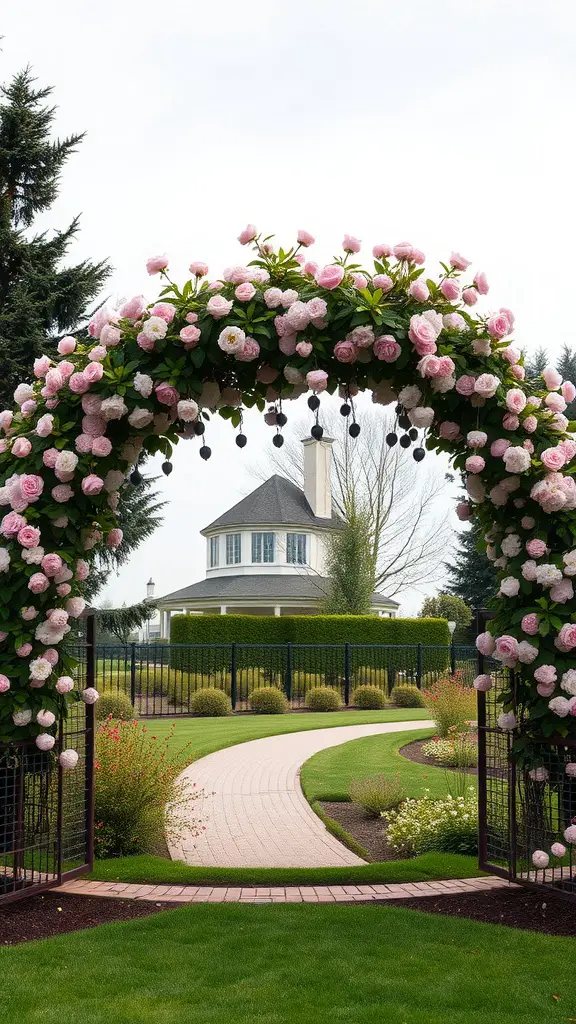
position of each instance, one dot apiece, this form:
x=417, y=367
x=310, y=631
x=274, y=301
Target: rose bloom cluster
x=266, y=330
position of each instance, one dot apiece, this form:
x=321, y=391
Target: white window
x=296, y=548
x=214, y=551
x=262, y=547
x=233, y=548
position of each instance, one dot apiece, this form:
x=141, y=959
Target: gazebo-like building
x=267, y=554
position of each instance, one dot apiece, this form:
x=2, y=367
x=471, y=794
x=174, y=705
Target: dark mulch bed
x=542, y=911
x=413, y=752
x=42, y=916
x=363, y=827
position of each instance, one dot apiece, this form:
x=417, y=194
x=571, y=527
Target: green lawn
x=290, y=964
x=206, y=735
x=147, y=868
x=328, y=774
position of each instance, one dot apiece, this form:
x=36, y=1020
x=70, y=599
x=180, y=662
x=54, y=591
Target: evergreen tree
x=566, y=366
x=39, y=298
x=350, y=566
x=446, y=606
x=472, y=576
x=534, y=364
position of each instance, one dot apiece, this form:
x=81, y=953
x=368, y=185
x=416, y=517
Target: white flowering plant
x=261, y=333
x=447, y=826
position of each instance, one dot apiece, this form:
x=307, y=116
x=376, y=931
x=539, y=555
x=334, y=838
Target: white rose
x=547, y=575
x=454, y=322
x=539, y=775
x=440, y=385
x=45, y=741
x=187, y=410
x=155, y=327
x=45, y=718
x=23, y=393
x=4, y=559
x=527, y=652
x=231, y=340
x=292, y=375
x=113, y=480
x=143, y=384
x=506, y=721
x=68, y=758
x=511, y=545
x=481, y=347
x=32, y=555
x=510, y=586
x=66, y=462
x=410, y=396
x=50, y=635
x=421, y=416
x=40, y=668
x=476, y=438
x=568, y=683
x=114, y=408
x=560, y=706
x=435, y=319
x=516, y=460
x=23, y=717
x=90, y=695
x=140, y=418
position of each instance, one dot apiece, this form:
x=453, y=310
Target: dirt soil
x=367, y=830
x=413, y=752
x=42, y=916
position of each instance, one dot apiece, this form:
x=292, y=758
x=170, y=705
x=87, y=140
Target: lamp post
x=149, y=597
x=452, y=627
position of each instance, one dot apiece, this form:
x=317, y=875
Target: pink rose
x=317, y=380
x=93, y=372
x=485, y=643
x=486, y=385
x=515, y=400
x=530, y=424
x=79, y=382
x=567, y=635
x=245, y=292
x=51, y=656
x=6, y=419
x=568, y=391
x=530, y=624
x=45, y=425
x=65, y=684
x=28, y=407
x=286, y=344
x=82, y=569
x=481, y=282
x=24, y=651
x=546, y=689
x=75, y=606
x=351, y=244
x=92, y=485
x=510, y=421
x=536, y=548
x=449, y=430
x=93, y=425
x=429, y=366
x=218, y=306
x=419, y=290
x=465, y=385
x=463, y=511
x=66, y=369
x=166, y=394
x=41, y=366
x=330, y=277
x=52, y=565
x=447, y=366
x=386, y=348
x=310, y=268
x=31, y=487
x=552, y=378
x=380, y=251
x=38, y=583
x=562, y=591
x=4, y=684
x=145, y=343
x=555, y=402
x=498, y=326
x=199, y=269
x=450, y=289
x=569, y=448
x=305, y=238
x=459, y=262
x=403, y=251
x=101, y=447
x=165, y=310
x=470, y=296
x=110, y=336
x=345, y=352
x=63, y=589
x=383, y=282
x=156, y=264
x=21, y=447
x=29, y=537
x=423, y=332
x=475, y=464
x=317, y=308
x=248, y=235
x=250, y=351
x=133, y=309
x=359, y=280
x=507, y=647
x=114, y=538
x=190, y=336
x=304, y=348
x=553, y=458
x=545, y=674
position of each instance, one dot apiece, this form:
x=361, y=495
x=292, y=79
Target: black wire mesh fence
x=161, y=679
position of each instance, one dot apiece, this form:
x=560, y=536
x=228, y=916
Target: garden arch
x=260, y=334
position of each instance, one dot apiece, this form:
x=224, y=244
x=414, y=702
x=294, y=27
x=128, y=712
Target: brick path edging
x=280, y=894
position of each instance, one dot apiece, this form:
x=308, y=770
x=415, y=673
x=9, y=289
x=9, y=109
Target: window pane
x=233, y=548
x=290, y=547
x=237, y=548
x=296, y=548
x=256, y=547
x=302, y=548
x=214, y=551
x=268, y=539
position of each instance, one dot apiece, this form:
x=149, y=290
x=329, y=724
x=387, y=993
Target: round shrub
x=210, y=703
x=368, y=697
x=323, y=698
x=116, y=704
x=268, y=700
x=406, y=696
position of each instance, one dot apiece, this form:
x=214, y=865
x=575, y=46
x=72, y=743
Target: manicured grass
x=214, y=964
x=206, y=735
x=147, y=868
x=328, y=774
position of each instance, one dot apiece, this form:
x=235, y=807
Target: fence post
x=288, y=675
x=233, y=680
x=419, y=667
x=347, y=674
x=133, y=675
x=91, y=655
x=452, y=658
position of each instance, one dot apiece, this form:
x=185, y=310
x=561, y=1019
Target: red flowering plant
x=451, y=703
x=261, y=333
x=139, y=803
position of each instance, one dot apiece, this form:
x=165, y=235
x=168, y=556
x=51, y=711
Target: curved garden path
x=254, y=812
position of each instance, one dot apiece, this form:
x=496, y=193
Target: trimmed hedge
x=406, y=696
x=323, y=698
x=210, y=703
x=306, y=629
x=268, y=700
x=369, y=698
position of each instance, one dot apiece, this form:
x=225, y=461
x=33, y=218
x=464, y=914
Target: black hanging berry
x=241, y=440
x=413, y=433
x=277, y=440
x=135, y=477
x=405, y=441
x=167, y=468
x=313, y=402
x=398, y=410
x=419, y=454
x=281, y=419
x=354, y=429
x=391, y=439
x=345, y=409
x=317, y=432
x=199, y=427
x=205, y=452
x=403, y=421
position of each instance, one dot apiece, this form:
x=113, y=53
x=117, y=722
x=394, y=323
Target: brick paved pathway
x=280, y=894
x=254, y=811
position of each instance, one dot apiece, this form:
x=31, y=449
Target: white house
x=267, y=554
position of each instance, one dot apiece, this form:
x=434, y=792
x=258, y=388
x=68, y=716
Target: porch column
x=277, y=610
x=222, y=609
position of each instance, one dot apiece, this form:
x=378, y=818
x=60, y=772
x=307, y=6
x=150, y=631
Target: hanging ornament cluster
x=406, y=439
x=348, y=409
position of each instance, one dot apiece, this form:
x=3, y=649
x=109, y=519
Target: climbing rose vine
x=264, y=331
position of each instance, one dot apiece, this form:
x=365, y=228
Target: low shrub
x=406, y=696
x=268, y=700
x=369, y=697
x=458, y=751
x=446, y=826
x=377, y=793
x=210, y=703
x=451, y=703
x=323, y=698
x=137, y=800
x=116, y=704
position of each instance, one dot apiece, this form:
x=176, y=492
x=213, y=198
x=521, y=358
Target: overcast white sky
x=449, y=124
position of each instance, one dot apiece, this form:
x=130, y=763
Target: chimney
x=150, y=589
x=318, y=475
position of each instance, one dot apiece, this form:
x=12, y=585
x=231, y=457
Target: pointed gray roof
x=267, y=587
x=277, y=502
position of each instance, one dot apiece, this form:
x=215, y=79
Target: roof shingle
x=268, y=587
x=277, y=502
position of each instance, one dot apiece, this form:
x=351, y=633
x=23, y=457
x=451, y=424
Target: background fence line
x=161, y=679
